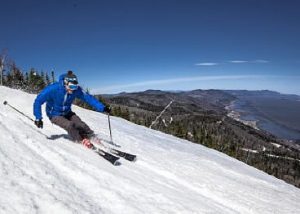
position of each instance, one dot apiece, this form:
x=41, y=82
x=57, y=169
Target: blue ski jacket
x=58, y=101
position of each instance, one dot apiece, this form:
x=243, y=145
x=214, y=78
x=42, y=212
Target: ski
x=125, y=155
x=107, y=156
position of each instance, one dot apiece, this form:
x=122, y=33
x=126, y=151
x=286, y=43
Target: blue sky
x=134, y=45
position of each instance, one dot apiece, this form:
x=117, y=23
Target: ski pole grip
x=5, y=102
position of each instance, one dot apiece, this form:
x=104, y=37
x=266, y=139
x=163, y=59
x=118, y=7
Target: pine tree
x=47, y=79
x=52, y=75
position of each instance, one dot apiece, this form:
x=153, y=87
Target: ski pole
x=111, y=139
x=108, y=117
x=6, y=103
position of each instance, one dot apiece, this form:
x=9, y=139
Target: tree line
x=32, y=81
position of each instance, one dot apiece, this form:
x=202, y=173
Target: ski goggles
x=72, y=80
x=72, y=86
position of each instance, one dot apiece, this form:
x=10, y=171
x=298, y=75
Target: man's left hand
x=107, y=109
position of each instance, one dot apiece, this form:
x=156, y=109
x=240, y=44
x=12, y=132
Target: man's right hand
x=39, y=123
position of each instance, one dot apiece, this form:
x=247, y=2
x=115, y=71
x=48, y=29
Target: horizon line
x=119, y=88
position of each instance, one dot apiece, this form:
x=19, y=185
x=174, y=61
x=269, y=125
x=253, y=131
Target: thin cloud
x=249, y=61
x=238, y=61
x=261, y=61
x=152, y=83
x=206, y=64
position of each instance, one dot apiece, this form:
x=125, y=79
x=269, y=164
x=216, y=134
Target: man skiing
x=59, y=98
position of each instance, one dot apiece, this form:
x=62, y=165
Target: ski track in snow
x=42, y=175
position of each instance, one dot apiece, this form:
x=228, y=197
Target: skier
x=59, y=97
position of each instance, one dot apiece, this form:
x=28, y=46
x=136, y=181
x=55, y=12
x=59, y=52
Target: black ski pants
x=76, y=128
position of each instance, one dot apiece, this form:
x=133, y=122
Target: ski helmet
x=71, y=81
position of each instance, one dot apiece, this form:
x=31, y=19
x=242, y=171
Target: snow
x=249, y=150
x=276, y=145
x=42, y=175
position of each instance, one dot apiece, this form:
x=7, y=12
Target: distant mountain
x=262, y=93
x=190, y=101
x=253, y=93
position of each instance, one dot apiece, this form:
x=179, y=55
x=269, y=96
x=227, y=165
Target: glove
x=39, y=123
x=107, y=109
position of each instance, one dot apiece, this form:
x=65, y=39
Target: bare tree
x=15, y=78
x=2, y=63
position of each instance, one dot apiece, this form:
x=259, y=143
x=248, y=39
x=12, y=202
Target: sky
x=135, y=45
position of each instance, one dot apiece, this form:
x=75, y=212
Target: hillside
x=204, y=117
x=43, y=172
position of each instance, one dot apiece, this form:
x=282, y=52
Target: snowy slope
x=40, y=175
